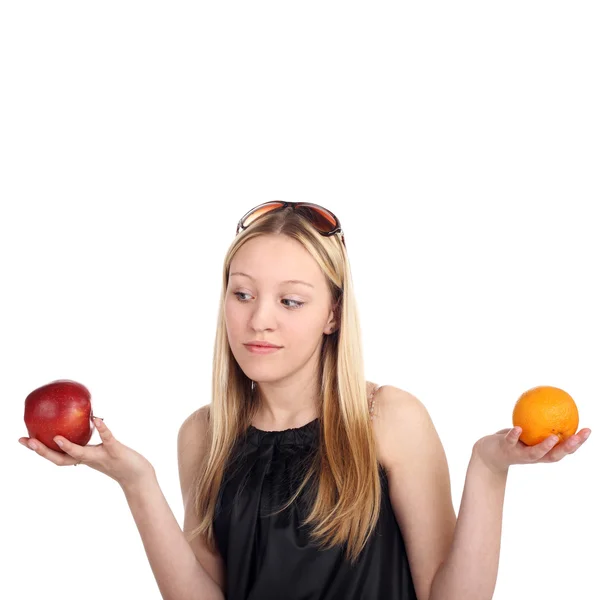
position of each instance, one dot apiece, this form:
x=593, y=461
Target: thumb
x=513, y=435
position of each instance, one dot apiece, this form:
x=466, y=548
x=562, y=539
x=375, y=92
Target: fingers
x=585, y=434
x=537, y=452
x=73, y=450
x=569, y=446
x=105, y=433
x=73, y=453
x=80, y=453
x=57, y=458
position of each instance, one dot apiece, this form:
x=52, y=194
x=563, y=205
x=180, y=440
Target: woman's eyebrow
x=286, y=281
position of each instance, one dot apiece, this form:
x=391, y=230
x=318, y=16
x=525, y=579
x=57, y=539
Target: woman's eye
x=237, y=294
x=297, y=303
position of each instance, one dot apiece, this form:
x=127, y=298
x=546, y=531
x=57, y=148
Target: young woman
x=300, y=479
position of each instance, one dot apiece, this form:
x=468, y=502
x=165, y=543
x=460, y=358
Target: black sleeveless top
x=272, y=557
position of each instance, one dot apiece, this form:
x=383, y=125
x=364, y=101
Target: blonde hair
x=346, y=459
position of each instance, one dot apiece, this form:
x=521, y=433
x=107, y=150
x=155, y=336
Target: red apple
x=62, y=407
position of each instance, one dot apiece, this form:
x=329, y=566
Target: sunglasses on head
x=323, y=220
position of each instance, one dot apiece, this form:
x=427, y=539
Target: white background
x=456, y=141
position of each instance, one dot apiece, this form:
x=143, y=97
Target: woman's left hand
x=502, y=449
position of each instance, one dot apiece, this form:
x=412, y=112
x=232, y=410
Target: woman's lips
x=261, y=349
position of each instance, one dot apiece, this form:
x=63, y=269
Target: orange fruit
x=545, y=410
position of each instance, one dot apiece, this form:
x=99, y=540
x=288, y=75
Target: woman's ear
x=333, y=318
x=330, y=325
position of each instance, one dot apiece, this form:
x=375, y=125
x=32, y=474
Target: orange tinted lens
x=321, y=218
x=259, y=211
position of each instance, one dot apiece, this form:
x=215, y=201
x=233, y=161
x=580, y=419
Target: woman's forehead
x=284, y=282
x=274, y=260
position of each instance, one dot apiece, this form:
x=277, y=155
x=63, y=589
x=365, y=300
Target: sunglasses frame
x=337, y=228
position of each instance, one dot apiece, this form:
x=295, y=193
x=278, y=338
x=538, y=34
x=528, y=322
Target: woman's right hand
x=123, y=464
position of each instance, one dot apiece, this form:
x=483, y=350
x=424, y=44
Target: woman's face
x=263, y=305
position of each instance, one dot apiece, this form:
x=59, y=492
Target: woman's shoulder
x=372, y=390
x=397, y=417
x=385, y=399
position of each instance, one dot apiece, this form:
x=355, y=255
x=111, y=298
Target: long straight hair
x=346, y=459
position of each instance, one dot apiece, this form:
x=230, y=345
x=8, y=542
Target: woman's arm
x=178, y=573
x=471, y=567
